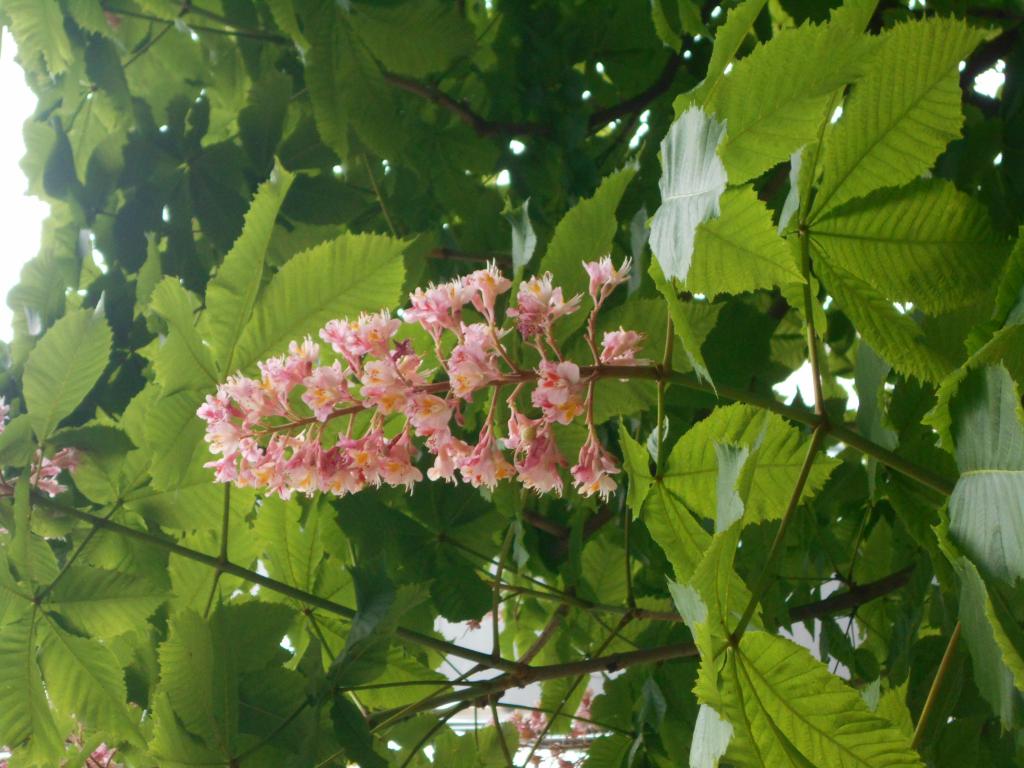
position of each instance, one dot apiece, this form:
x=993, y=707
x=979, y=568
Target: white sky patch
x=21, y=217
x=836, y=114
x=991, y=80
x=504, y=178
x=517, y=147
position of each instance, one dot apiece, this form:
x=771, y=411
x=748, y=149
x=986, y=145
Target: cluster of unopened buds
x=44, y=470
x=302, y=426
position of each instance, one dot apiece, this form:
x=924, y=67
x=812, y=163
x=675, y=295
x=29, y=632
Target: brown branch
x=855, y=596
x=642, y=100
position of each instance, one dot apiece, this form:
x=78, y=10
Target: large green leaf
x=231, y=293
x=995, y=646
x=341, y=278
x=692, y=181
x=788, y=710
x=24, y=709
x=84, y=679
x=675, y=530
x=174, y=438
x=63, y=368
x=39, y=29
x=441, y=32
x=740, y=250
x=772, y=469
x=105, y=603
x=901, y=115
x=925, y=243
x=897, y=338
x=774, y=100
x=986, y=509
x=183, y=361
x=728, y=39
x=294, y=551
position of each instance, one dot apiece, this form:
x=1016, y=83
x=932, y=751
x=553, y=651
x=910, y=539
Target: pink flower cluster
x=44, y=470
x=285, y=431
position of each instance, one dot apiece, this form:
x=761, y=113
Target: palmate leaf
x=692, y=181
x=901, y=114
x=24, y=709
x=340, y=278
x=231, y=293
x=692, y=470
x=986, y=509
x=925, y=243
x=64, y=366
x=84, y=679
x=774, y=100
x=896, y=337
x=788, y=710
x=740, y=250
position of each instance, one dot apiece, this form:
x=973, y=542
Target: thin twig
x=933, y=692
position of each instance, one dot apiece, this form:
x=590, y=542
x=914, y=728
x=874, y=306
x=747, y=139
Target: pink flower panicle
x=44, y=470
x=282, y=430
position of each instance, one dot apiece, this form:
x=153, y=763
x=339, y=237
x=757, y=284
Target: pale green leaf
x=63, y=368
x=925, y=243
x=711, y=737
x=341, y=278
x=773, y=101
x=998, y=664
x=675, y=530
x=183, y=361
x=524, y=239
x=692, y=470
x=896, y=337
x=231, y=293
x=24, y=709
x=84, y=679
x=636, y=462
x=39, y=29
x=789, y=711
x=901, y=114
x=739, y=250
x=986, y=509
x=692, y=181
x=105, y=603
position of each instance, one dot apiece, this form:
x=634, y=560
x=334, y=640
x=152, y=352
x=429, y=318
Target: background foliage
x=225, y=176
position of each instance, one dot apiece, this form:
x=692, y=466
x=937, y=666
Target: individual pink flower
x=375, y=332
x=428, y=413
x=365, y=455
x=325, y=387
x=620, y=348
x=449, y=452
x=559, y=391
x=45, y=470
x=593, y=472
x=539, y=304
x=301, y=471
x=384, y=386
x=343, y=336
x=473, y=363
x=396, y=467
x=605, y=278
x=439, y=307
x=486, y=464
x=485, y=285
x=536, y=457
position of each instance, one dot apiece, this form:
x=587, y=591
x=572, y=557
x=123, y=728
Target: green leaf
x=353, y=734
x=63, y=368
x=24, y=709
x=925, y=243
x=773, y=101
x=636, y=462
x=901, y=114
x=788, y=710
x=986, y=509
x=16, y=443
x=295, y=552
x=681, y=323
x=675, y=530
x=441, y=32
x=524, y=239
x=189, y=679
x=692, y=181
x=692, y=470
x=728, y=38
x=895, y=336
x=174, y=437
x=283, y=12
x=183, y=361
x=739, y=250
x=261, y=122
x=231, y=293
x=995, y=654
x=39, y=29
x=105, y=603
x=585, y=233
x=341, y=278
x=84, y=679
